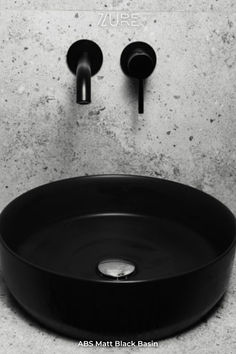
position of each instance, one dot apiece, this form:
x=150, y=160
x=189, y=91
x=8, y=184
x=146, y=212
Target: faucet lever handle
x=138, y=60
x=140, y=96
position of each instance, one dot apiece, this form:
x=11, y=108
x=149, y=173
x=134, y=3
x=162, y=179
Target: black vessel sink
x=117, y=257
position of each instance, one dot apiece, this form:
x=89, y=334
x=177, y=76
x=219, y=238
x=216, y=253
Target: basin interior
x=159, y=228
x=157, y=247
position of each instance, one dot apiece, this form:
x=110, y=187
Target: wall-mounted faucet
x=138, y=60
x=84, y=59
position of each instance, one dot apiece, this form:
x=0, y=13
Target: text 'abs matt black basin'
x=117, y=257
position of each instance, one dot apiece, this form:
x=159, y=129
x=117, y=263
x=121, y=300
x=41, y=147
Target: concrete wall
x=188, y=130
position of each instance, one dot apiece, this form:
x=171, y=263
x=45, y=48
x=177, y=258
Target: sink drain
x=116, y=268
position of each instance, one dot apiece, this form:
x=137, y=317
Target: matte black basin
x=117, y=257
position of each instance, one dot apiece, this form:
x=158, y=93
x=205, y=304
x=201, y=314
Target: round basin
x=117, y=257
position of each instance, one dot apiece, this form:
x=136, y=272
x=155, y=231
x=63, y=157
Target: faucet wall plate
x=138, y=60
x=77, y=50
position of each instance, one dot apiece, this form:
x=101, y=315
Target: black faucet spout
x=84, y=59
x=83, y=80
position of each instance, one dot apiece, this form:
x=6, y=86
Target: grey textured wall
x=187, y=134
